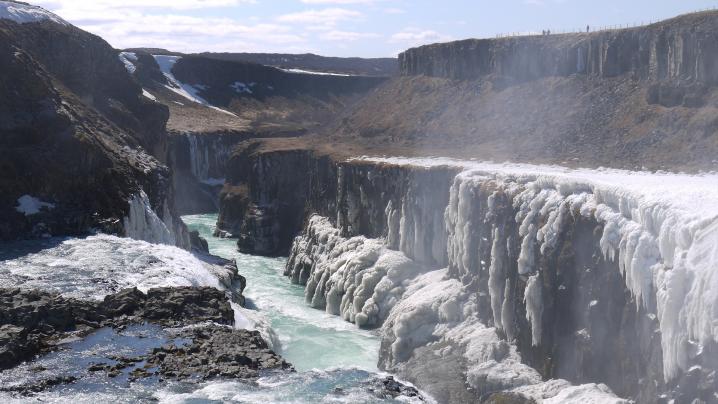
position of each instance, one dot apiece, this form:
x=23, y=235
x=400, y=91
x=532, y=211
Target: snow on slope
x=187, y=91
x=662, y=229
x=301, y=71
x=127, y=58
x=26, y=13
x=148, y=95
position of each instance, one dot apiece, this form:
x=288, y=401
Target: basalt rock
x=75, y=133
x=680, y=49
x=31, y=320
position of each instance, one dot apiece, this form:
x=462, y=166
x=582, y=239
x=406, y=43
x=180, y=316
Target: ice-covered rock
x=549, y=271
x=142, y=223
x=356, y=278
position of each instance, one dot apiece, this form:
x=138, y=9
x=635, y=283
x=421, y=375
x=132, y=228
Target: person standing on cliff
x=588, y=29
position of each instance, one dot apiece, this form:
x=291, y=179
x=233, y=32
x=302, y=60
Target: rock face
x=216, y=352
x=31, y=320
x=633, y=94
x=266, y=211
x=681, y=49
x=221, y=78
x=559, y=298
x=76, y=134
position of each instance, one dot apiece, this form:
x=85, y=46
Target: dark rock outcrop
x=354, y=66
x=680, y=49
x=389, y=388
x=31, y=320
x=76, y=133
x=267, y=211
x=216, y=352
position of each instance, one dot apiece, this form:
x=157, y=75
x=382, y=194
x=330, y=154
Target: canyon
x=581, y=269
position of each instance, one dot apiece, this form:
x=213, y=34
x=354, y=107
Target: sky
x=365, y=28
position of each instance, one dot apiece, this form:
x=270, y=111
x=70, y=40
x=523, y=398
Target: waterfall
x=198, y=157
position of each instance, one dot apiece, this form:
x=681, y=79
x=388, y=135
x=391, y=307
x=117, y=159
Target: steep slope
x=215, y=104
x=76, y=135
x=621, y=98
x=315, y=63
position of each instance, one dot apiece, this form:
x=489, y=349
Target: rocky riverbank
x=197, y=322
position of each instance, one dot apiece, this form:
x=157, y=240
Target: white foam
x=96, y=266
x=29, y=205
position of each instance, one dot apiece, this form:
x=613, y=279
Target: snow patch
x=29, y=205
x=314, y=72
x=187, y=91
x=26, y=13
x=242, y=88
x=127, y=58
x=148, y=95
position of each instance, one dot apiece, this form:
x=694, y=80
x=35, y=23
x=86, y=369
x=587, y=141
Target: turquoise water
x=310, y=338
x=334, y=359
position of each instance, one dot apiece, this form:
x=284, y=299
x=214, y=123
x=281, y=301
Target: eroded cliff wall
x=549, y=279
x=682, y=49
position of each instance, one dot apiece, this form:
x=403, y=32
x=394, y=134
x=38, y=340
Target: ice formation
x=660, y=229
x=187, y=91
x=26, y=13
x=356, y=278
x=29, y=205
x=142, y=223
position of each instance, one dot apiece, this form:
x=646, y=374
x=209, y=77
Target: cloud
x=347, y=36
x=203, y=25
x=342, y=2
x=394, y=10
x=165, y=4
x=137, y=26
x=327, y=16
x=416, y=37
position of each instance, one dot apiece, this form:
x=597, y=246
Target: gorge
x=205, y=228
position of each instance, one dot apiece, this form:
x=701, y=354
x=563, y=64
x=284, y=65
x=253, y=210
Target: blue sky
x=367, y=28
